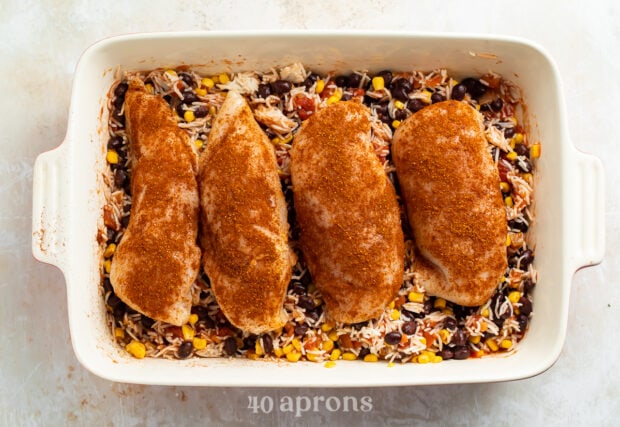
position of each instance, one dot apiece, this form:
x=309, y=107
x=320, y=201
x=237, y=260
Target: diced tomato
x=503, y=170
x=434, y=81
x=430, y=339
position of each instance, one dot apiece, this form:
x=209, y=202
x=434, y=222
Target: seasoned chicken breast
x=450, y=186
x=158, y=259
x=244, y=221
x=351, y=234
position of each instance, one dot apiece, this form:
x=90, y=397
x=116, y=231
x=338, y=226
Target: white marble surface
x=41, y=382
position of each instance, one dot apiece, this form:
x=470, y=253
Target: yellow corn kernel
x=518, y=137
x=258, y=348
x=395, y=315
x=293, y=356
x=506, y=344
x=212, y=111
x=327, y=345
x=297, y=344
x=423, y=341
x=216, y=79
x=333, y=335
x=288, y=349
x=107, y=265
x=320, y=85
x=199, y=343
x=440, y=303
x=399, y=104
x=276, y=140
x=444, y=335
x=223, y=78
x=483, y=326
x=453, y=82
x=189, y=116
x=479, y=353
x=436, y=359
x=119, y=333
x=508, y=240
x=485, y=312
x=335, y=97
x=109, y=251
x=199, y=143
x=392, y=304
x=200, y=91
x=423, y=358
x=171, y=72
x=448, y=311
x=512, y=156
x=535, y=151
x=514, y=296
x=327, y=326
x=371, y=358
x=396, y=123
x=149, y=88
x=415, y=297
x=188, y=332
x=312, y=357
x=528, y=177
x=278, y=352
x=492, y=344
x=193, y=318
x=504, y=186
x=427, y=97
x=349, y=356
x=512, y=143
x=136, y=349
x=208, y=83
x=251, y=355
x=330, y=364
x=112, y=157
x=508, y=201
x=335, y=354
x=474, y=339
x=378, y=83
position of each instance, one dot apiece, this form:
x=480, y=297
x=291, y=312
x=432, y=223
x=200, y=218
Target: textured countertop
x=42, y=383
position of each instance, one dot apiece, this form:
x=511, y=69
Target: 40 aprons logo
x=302, y=404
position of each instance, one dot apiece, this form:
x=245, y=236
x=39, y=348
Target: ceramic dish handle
x=50, y=200
x=590, y=209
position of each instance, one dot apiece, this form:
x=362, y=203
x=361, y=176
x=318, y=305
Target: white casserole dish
x=68, y=200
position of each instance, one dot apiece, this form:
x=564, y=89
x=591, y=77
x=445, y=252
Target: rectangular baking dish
x=568, y=233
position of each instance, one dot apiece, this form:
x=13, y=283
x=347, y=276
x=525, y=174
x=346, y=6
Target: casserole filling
x=414, y=327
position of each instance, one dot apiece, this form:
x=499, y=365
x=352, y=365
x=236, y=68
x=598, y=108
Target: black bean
x=524, y=165
x=107, y=285
x=459, y=338
x=402, y=83
x=364, y=352
x=523, y=321
x=281, y=87
x=147, y=322
x=168, y=98
x=387, y=77
x=458, y=92
x=400, y=114
x=409, y=327
x=462, y=312
x=298, y=288
x=354, y=80
x=522, y=150
x=267, y=343
x=449, y=323
x=114, y=301
x=125, y=221
x=120, y=177
x=528, y=285
x=187, y=79
x=200, y=311
x=118, y=104
x=121, y=89
x=230, y=345
x=347, y=96
x=301, y=329
x=306, y=279
x=509, y=132
x=428, y=307
x=516, y=224
x=185, y=350
x=392, y=338
x=310, y=80
x=526, y=258
x=306, y=302
x=264, y=90
x=401, y=89
x=415, y=105
x=437, y=97
x=342, y=81
x=497, y=104
x=111, y=235
x=410, y=314
x=314, y=315
x=115, y=143
x=181, y=109
x=189, y=97
x=474, y=87
x=446, y=353
x=526, y=306
x=461, y=353
x=201, y=111
x=119, y=311
x=382, y=108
